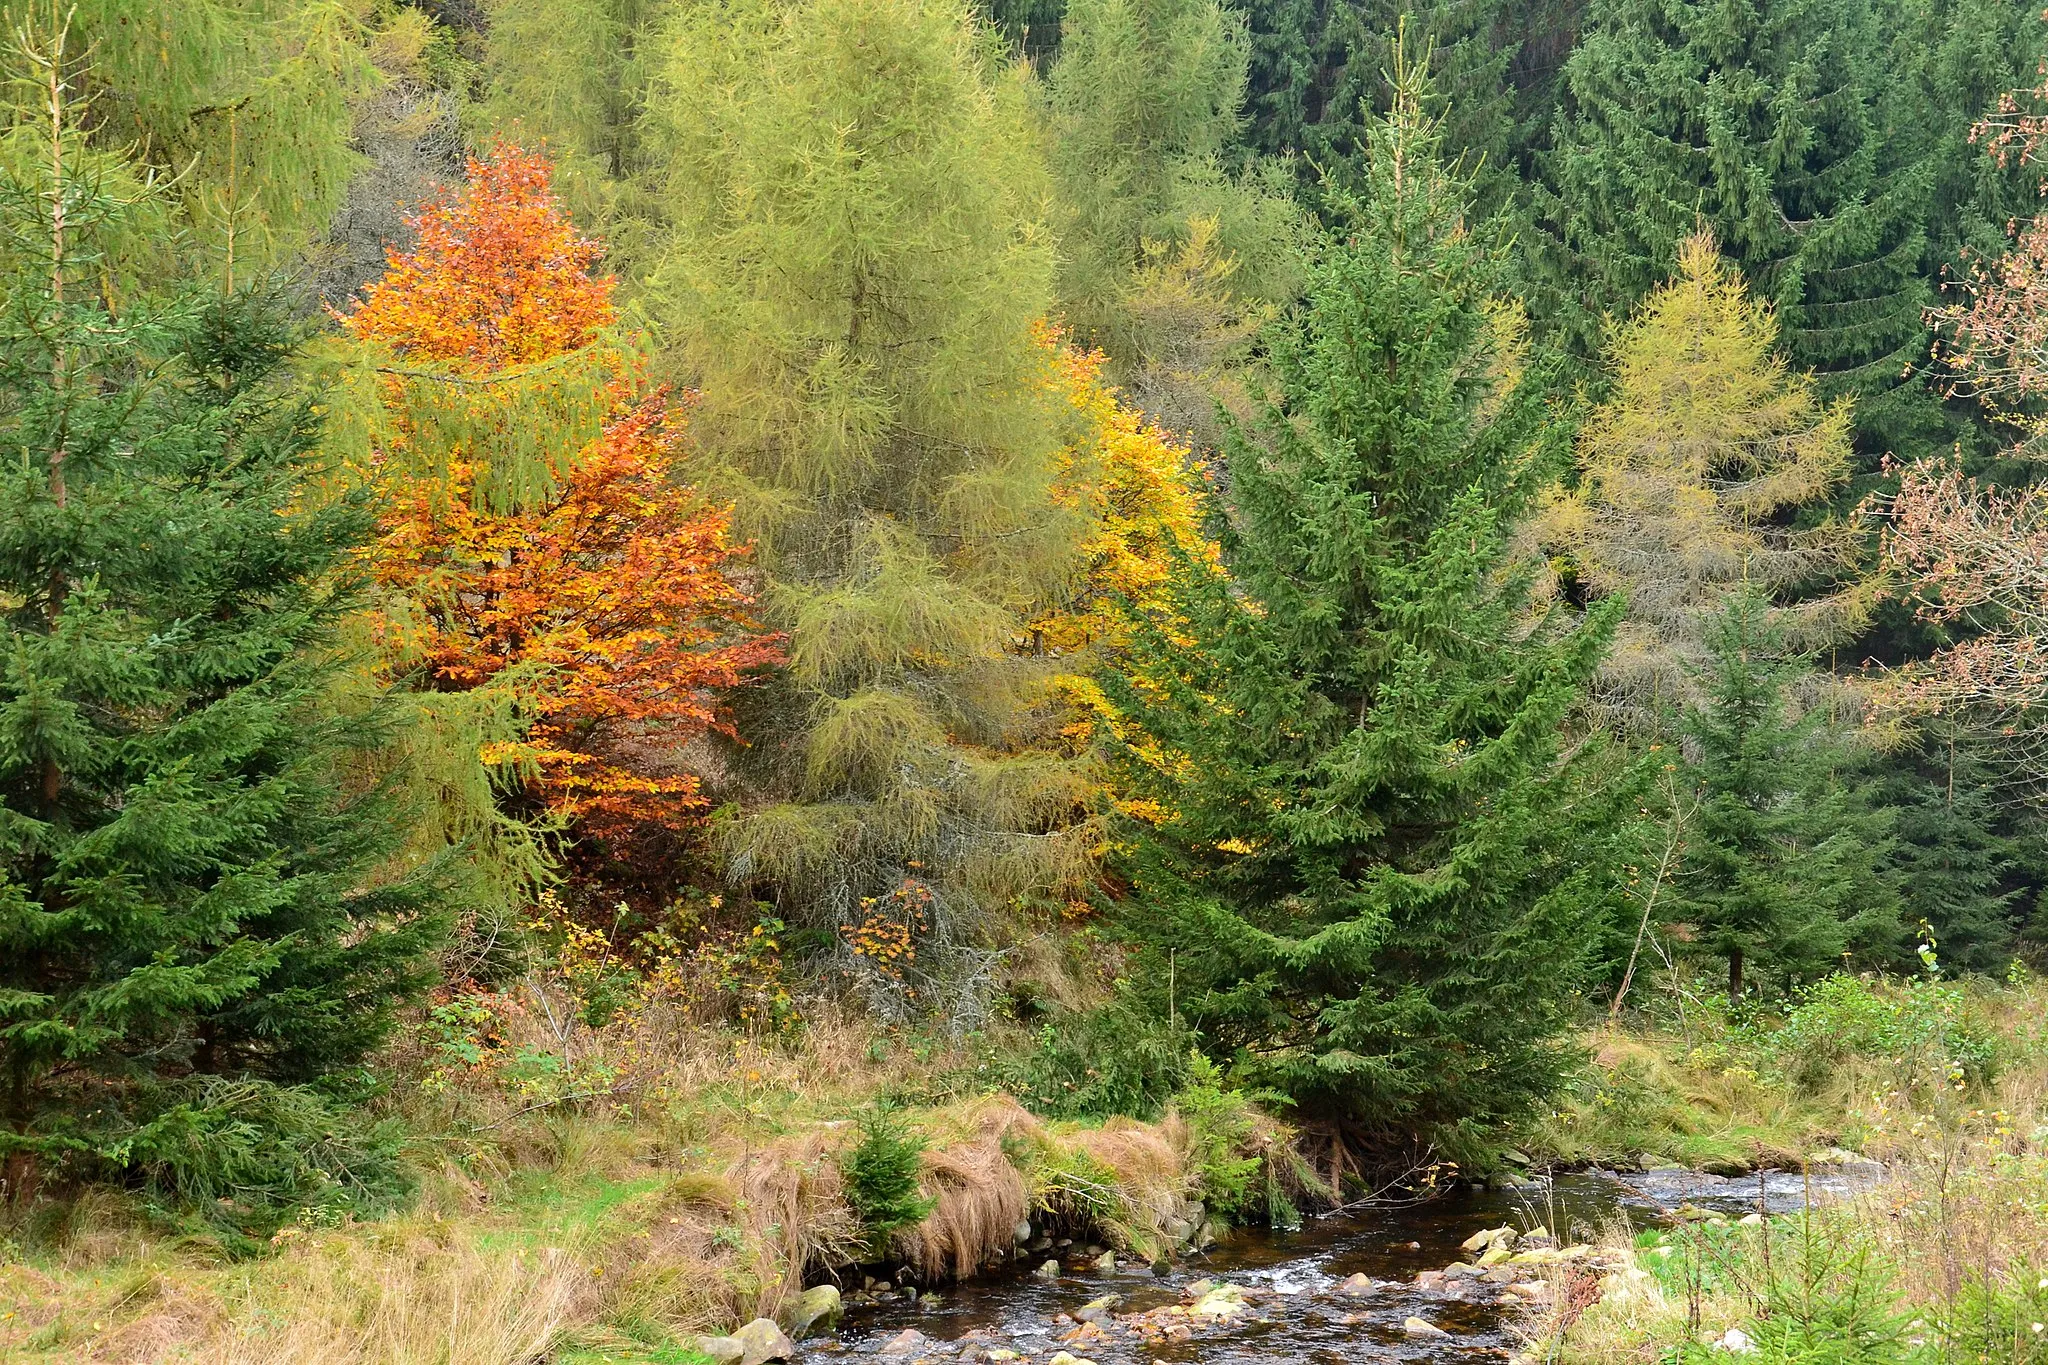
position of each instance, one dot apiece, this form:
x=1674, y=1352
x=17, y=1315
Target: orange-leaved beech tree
x=536, y=553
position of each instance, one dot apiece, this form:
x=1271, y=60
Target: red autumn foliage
x=609, y=603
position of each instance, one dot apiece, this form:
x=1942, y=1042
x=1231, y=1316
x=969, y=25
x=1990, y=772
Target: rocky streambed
x=1441, y=1281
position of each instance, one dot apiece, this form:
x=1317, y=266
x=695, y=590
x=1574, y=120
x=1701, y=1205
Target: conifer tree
x=1955, y=858
x=1369, y=869
x=1772, y=129
x=243, y=110
x=1145, y=99
x=194, y=882
x=1692, y=473
x=854, y=280
x=1783, y=863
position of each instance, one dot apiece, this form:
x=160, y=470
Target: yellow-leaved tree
x=1691, y=476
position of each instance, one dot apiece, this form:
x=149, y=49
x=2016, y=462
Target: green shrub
x=240, y=1159
x=1223, y=1129
x=1091, y=1064
x=1922, y=1027
x=1996, y=1317
x=881, y=1175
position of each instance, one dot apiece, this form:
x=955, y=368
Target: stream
x=1299, y=1311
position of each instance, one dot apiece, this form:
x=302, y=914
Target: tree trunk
x=1735, y=976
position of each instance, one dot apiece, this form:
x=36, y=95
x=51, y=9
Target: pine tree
x=1368, y=877
x=1955, y=858
x=1772, y=129
x=1692, y=475
x=854, y=283
x=195, y=848
x=1783, y=862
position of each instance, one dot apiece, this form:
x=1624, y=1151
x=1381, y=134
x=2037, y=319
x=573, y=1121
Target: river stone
x=1096, y=1309
x=1069, y=1358
x=764, y=1340
x=1106, y=1261
x=1361, y=1283
x=1223, y=1302
x=1416, y=1327
x=1021, y=1234
x=724, y=1350
x=1503, y=1236
x=1530, y=1291
x=817, y=1307
x=906, y=1342
x=1050, y=1270
x=1727, y=1166
x=1162, y=1267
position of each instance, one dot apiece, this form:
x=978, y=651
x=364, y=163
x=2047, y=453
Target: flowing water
x=1302, y=1317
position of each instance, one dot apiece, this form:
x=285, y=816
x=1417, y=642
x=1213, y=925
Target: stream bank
x=1364, y=1286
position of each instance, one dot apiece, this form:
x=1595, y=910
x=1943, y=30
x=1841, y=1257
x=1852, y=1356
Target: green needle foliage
x=882, y=1175
x=244, y=109
x=1771, y=126
x=1783, y=860
x=853, y=279
x=1375, y=848
x=193, y=898
x=1145, y=101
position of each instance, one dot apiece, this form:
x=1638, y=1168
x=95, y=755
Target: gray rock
x=1097, y=1309
x=1022, y=1233
x=817, y=1308
x=1162, y=1267
x=1361, y=1283
x=1106, y=1261
x=1416, y=1327
x=906, y=1342
x=1049, y=1270
x=1727, y=1166
x=724, y=1350
x=764, y=1340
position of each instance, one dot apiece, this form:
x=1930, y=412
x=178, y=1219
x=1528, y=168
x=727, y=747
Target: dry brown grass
x=981, y=1195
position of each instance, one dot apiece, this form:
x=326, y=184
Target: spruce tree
x=1783, y=864
x=854, y=281
x=1772, y=128
x=194, y=885
x=1956, y=853
x=1367, y=878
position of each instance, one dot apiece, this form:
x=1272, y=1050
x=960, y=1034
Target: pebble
x=1416, y=1327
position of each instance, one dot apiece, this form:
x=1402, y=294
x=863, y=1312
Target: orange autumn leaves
x=606, y=602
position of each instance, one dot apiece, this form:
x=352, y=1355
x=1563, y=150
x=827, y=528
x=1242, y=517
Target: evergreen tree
x=1956, y=855
x=1783, y=859
x=193, y=854
x=1368, y=869
x=854, y=282
x=1692, y=476
x=1772, y=128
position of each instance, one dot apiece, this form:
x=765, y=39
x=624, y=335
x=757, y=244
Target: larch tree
x=566, y=585
x=854, y=280
x=1145, y=101
x=244, y=111
x=1691, y=475
x=1365, y=871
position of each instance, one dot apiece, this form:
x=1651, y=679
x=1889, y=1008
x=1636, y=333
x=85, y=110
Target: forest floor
x=654, y=1181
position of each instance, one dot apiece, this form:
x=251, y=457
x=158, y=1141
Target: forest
x=667, y=657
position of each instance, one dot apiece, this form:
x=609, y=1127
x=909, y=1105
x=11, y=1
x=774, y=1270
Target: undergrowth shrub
x=1996, y=1317
x=1232, y=1169
x=1095, y=1063
x=881, y=1175
x=1923, y=1028
x=239, y=1160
